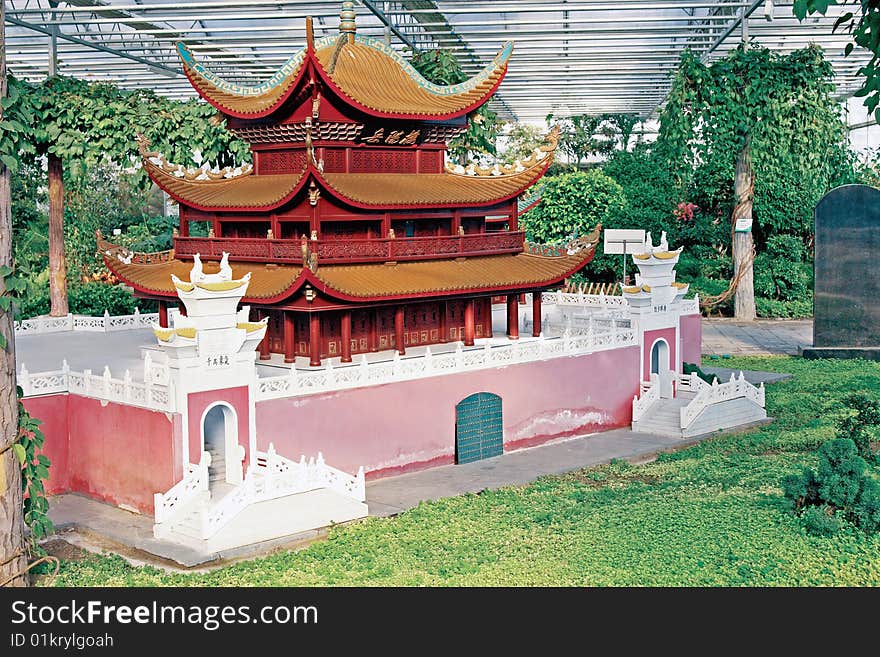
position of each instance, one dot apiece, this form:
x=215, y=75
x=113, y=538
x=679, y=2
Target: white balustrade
x=736, y=388
x=105, y=387
x=649, y=393
x=188, y=489
x=70, y=322
x=578, y=299
x=304, y=382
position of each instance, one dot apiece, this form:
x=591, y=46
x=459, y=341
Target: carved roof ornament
x=551, y=141
x=347, y=15
x=314, y=193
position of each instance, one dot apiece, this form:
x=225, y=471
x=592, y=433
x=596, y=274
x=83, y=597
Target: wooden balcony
x=351, y=251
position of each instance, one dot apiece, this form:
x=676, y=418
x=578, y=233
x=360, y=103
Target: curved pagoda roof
x=274, y=283
x=366, y=72
x=249, y=192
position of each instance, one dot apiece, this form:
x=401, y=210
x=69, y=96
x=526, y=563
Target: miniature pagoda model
x=358, y=235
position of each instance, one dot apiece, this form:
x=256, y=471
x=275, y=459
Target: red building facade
x=358, y=234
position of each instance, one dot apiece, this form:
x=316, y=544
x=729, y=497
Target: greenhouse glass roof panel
x=571, y=57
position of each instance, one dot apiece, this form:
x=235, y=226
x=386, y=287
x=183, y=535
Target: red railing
x=356, y=250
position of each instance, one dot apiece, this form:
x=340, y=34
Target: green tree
x=755, y=111
x=522, y=140
x=441, y=67
x=13, y=547
x=866, y=33
x=76, y=125
x=584, y=135
x=571, y=205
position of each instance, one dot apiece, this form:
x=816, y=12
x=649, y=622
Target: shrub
x=688, y=368
x=571, y=205
x=802, y=489
x=821, y=521
x=843, y=487
x=94, y=298
x=841, y=470
x=867, y=509
x=860, y=426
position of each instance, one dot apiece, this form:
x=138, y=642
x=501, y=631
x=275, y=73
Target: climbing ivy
x=782, y=105
x=865, y=30
x=34, y=471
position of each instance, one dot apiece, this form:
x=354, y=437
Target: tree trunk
x=743, y=245
x=57, y=263
x=13, y=558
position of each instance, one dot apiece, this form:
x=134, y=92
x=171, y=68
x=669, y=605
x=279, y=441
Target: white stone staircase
x=278, y=497
x=697, y=408
x=663, y=417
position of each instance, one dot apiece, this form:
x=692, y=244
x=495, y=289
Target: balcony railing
x=352, y=250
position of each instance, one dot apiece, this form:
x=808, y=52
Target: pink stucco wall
x=691, y=338
x=51, y=410
x=411, y=424
x=111, y=452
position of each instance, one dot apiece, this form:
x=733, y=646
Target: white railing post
x=363, y=369
x=148, y=363
x=127, y=385
x=87, y=380
x=106, y=320
x=106, y=381
x=459, y=356
x=429, y=359
x=24, y=380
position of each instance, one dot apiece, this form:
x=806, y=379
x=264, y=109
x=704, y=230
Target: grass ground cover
x=712, y=514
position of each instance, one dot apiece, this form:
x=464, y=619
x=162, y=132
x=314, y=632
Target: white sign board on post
x=623, y=241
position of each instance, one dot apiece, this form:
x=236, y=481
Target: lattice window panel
x=281, y=162
x=429, y=162
x=370, y=161
x=334, y=160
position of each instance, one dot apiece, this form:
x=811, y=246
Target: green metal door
x=478, y=428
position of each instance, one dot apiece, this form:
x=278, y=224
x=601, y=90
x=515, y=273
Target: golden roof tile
x=373, y=281
x=378, y=79
x=366, y=71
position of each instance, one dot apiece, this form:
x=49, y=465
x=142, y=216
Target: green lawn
x=712, y=514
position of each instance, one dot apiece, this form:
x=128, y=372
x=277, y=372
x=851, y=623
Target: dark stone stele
x=846, y=307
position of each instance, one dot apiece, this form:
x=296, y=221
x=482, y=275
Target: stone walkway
x=724, y=336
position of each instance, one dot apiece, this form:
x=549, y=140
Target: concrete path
x=395, y=494
x=763, y=336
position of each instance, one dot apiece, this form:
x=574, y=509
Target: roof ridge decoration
x=432, y=101
x=203, y=173
x=288, y=69
x=500, y=60
x=551, y=142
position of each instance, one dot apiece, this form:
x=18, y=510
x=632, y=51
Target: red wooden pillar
x=487, y=331
x=315, y=339
x=443, y=321
x=374, y=330
x=183, y=229
x=163, y=314
x=513, y=316
x=182, y=309
x=469, y=323
x=398, y=329
x=264, y=343
x=289, y=337
x=346, y=336
x=536, y=313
